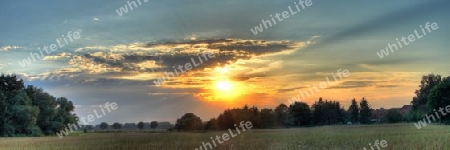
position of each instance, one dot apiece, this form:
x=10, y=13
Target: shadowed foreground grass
x=398, y=136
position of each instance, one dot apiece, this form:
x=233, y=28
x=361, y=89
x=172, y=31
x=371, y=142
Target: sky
x=118, y=57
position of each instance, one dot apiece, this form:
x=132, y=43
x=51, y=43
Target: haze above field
x=111, y=60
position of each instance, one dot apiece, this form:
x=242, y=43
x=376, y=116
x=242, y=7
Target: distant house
x=405, y=109
x=378, y=115
x=129, y=126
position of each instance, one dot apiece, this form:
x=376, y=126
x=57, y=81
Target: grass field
x=398, y=136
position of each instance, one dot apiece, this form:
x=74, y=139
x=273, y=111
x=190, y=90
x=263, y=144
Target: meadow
x=398, y=136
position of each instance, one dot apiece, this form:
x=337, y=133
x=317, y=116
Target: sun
x=224, y=86
x=226, y=90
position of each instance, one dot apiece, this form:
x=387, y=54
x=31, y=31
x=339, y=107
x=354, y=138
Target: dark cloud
x=386, y=86
x=291, y=89
x=189, y=42
x=353, y=84
x=169, y=54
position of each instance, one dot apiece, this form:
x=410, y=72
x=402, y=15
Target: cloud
x=161, y=56
x=9, y=47
x=58, y=56
x=353, y=84
x=387, y=86
x=291, y=89
x=362, y=84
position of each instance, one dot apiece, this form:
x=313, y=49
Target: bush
x=393, y=116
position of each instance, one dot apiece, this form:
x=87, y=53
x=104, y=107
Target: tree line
x=322, y=112
x=433, y=94
x=29, y=111
x=117, y=126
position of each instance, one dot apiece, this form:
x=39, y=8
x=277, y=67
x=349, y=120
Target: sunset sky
x=117, y=57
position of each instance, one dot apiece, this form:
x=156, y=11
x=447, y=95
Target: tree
x=141, y=125
x=266, y=118
x=226, y=119
x=439, y=99
x=301, y=113
x=327, y=112
x=24, y=115
x=282, y=113
x=117, y=125
x=250, y=114
x=319, y=112
x=31, y=111
x=104, y=125
x=47, y=109
x=153, y=125
x=189, y=122
x=393, y=116
x=64, y=114
x=3, y=111
x=353, y=111
x=364, y=112
x=426, y=84
x=211, y=124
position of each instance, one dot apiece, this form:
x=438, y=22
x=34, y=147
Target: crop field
x=398, y=136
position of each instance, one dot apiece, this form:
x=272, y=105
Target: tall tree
x=266, y=118
x=104, y=125
x=353, y=111
x=30, y=111
x=140, y=125
x=23, y=115
x=282, y=113
x=229, y=117
x=426, y=84
x=439, y=99
x=153, y=125
x=327, y=112
x=47, y=108
x=117, y=125
x=301, y=113
x=226, y=119
x=251, y=115
x=64, y=114
x=189, y=122
x=211, y=124
x=364, y=112
x=319, y=112
x=3, y=110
